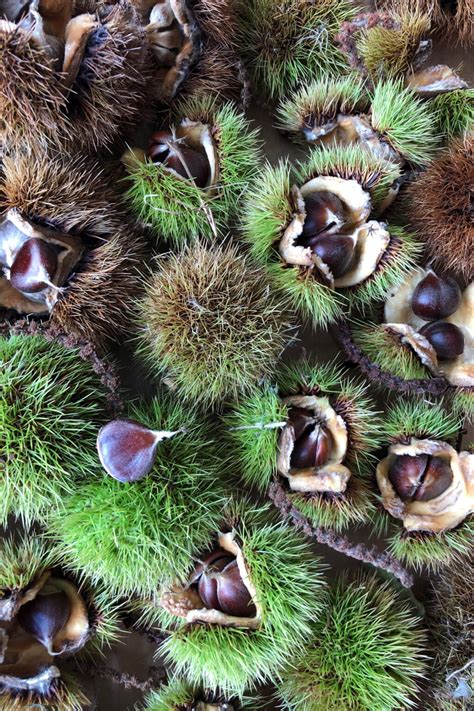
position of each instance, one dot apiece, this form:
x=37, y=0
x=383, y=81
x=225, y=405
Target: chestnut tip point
x=435, y=297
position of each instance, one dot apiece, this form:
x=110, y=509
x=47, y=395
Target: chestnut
x=435, y=297
x=446, y=338
x=312, y=448
x=174, y=153
x=34, y=266
x=419, y=478
x=127, y=449
x=300, y=419
x=324, y=212
x=45, y=616
x=337, y=251
x=221, y=587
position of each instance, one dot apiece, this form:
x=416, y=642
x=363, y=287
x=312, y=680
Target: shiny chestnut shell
x=312, y=449
x=435, y=297
x=177, y=155
x=446, y=338
x=45, y=616
x=419, y=478
x=324, y=210
x=221, y=587
x=337, y=251
x=35, y=261
x=126, y=449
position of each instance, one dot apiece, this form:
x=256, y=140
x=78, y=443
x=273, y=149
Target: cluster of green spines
x=415, y=418
x=51, y=403
x=288, y=582
x=291, y=42
x=134, y=537
x=388, y=52
x=322, y=101
x=178, y=694
x=176, y=209
x=432, y=551
x=366, y=653
x=404, y=120
x=453, y=113
x=23, y=559
x=386, y=351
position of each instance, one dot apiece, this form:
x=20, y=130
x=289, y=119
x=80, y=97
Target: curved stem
x=338, y=542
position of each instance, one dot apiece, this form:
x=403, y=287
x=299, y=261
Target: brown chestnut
x=324, y=211
x=435, y=297
x=221, y=587
x=420, y=478
x=337, y=251
x=300, y=419
x=446, y=338
x=127, y=449
x=34, y=266
x=45, y=616
x=438, y=476
x=174, y=153
x=312, y=449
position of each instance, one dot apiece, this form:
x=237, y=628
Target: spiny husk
x=23, y=561
x=453, y=113
x=218, y=73
x=136, y=537
x=449, y=614
x=72, y=196
x=66, y=393
x=177, y=695
x=367, y=626
x=386, y=44
x=287, y=582
x=440, y=208
x=422, y=420
x=384, y=360
x=176, y=209
x=107, y=94
x=450, y=19
x=271, y=208
x=210, y=323
x=285, y=44
x=254, y=433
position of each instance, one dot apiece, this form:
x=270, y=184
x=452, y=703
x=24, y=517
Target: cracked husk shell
x=174, y=37
x=333, y=476
x=445, y=511
x=187, y=604
x=370, y=239
x=26, y=664
x=436, y=80
x=399, y=317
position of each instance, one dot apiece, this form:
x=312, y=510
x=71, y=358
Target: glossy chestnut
x=435, y=297
x=174, y=153
x=446, y=338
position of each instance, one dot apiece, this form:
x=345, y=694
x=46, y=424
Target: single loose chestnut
x=446, y=338
x=435, y=297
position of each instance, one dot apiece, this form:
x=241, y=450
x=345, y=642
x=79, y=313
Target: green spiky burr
x=453, y=113
x=421, y=542
x=236, y=654
x=388, y=121
x=255, y=426
x=274, y=218
x=136, y=536
x=367, y=652
x=177, y=695
x=210, y=323
x=176, y=209
x=52, y=401
x=31, y=569
x=285, y=44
